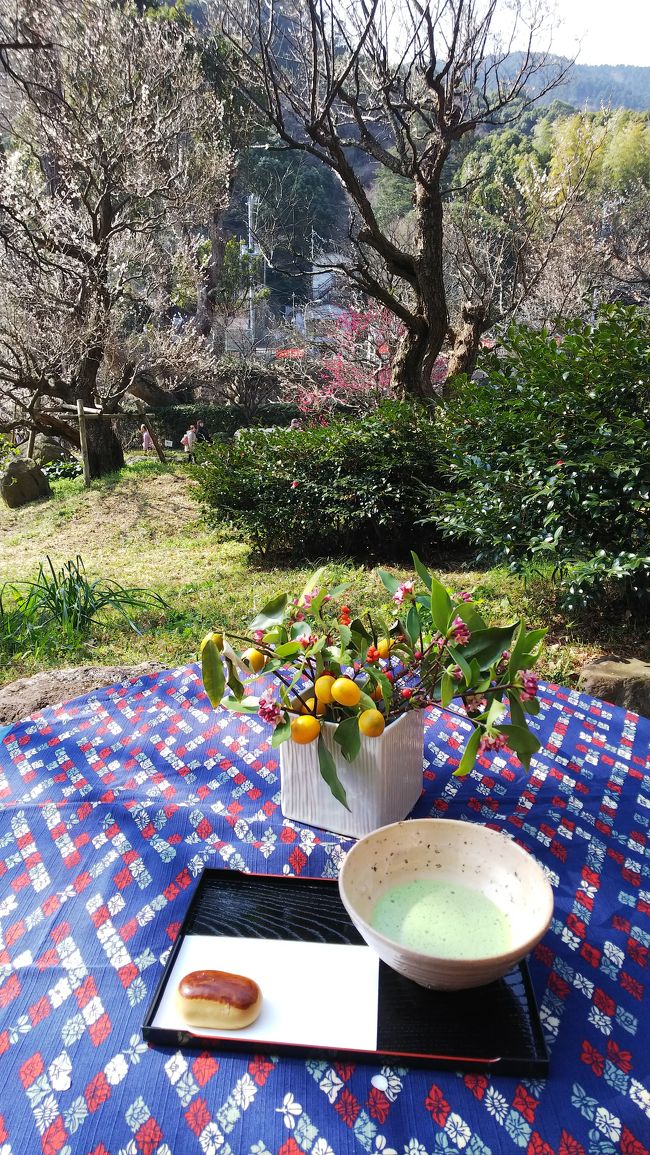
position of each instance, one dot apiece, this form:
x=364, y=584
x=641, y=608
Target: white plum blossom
x=140, y=168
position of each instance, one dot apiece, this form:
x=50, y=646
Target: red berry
x=391, y=677
x=417, y=654
x=406, y=693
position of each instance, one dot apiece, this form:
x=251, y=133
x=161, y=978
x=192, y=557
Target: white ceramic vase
x=382, y=784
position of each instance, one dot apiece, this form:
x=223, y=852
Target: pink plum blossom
x=459, y=632
x=492, y=742
x=269, y=711
x=404, y=592
x=529, y=686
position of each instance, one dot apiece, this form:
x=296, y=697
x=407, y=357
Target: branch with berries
x=429, y=647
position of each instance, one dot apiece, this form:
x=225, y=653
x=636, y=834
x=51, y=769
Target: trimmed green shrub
x=351, y=488
x=549, y=459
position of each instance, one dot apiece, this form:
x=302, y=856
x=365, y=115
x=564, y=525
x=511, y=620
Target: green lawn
x=143, y=528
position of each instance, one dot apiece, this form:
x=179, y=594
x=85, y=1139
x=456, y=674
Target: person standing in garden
x=188, y=441
x=202, y=433
x=147, y=441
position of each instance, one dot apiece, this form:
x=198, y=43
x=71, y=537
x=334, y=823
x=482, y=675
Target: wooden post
x=152, y=433
x=84, y=442
x=32, y=432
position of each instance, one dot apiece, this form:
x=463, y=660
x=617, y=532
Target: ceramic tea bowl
x=460, y=904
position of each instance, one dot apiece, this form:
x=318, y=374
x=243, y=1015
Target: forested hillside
x=594, y=86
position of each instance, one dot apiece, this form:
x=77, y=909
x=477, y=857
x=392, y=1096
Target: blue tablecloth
x=111, y=807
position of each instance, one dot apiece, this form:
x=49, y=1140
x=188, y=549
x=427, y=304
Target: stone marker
x=23, y=481
x=621, y=681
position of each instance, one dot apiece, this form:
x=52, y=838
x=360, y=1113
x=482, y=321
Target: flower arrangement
x=361, y=673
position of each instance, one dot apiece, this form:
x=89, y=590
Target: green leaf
x=412, y=626
x=366, y=702
x=381, y=626
x=521, y=741
x=516, y=712
x=348, y=738
x=524, y=662
x=386, y=687
x=421, y=570
x=233, y=680
x=469, y=755
x=532, y=706
x=248, y=705
x=313, y=581
x=345, y=635
x=522, y=657
x=391, y=583
x=470, y=615
x=271, y=614
x=214, y=679
x=277, y=635
x=487, y=646
x=448, y=689
x=282, y=732
x=288, y=650
x=336, y=591
x=494, y=713
x=440, y=606
x=357, y=627
x=327, y=768
x=457, y=657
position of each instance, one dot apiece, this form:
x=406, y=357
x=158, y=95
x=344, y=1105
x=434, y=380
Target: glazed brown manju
x=219, y=1000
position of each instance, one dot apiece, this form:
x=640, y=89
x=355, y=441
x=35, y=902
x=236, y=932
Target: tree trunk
x=408, y=374
x=105, y=452
x=211, y=276
x=145, y=388
x=467, y=340
x=421, y=344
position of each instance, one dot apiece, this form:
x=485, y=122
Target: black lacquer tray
x=492, y=1027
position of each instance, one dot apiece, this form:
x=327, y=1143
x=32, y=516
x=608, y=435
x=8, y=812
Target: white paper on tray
x=315, y=994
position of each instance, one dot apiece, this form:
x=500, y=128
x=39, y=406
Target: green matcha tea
x=443, y=919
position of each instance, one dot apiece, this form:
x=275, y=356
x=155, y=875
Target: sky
x=610, y=31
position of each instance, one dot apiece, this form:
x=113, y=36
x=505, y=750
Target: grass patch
x=141, y=527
